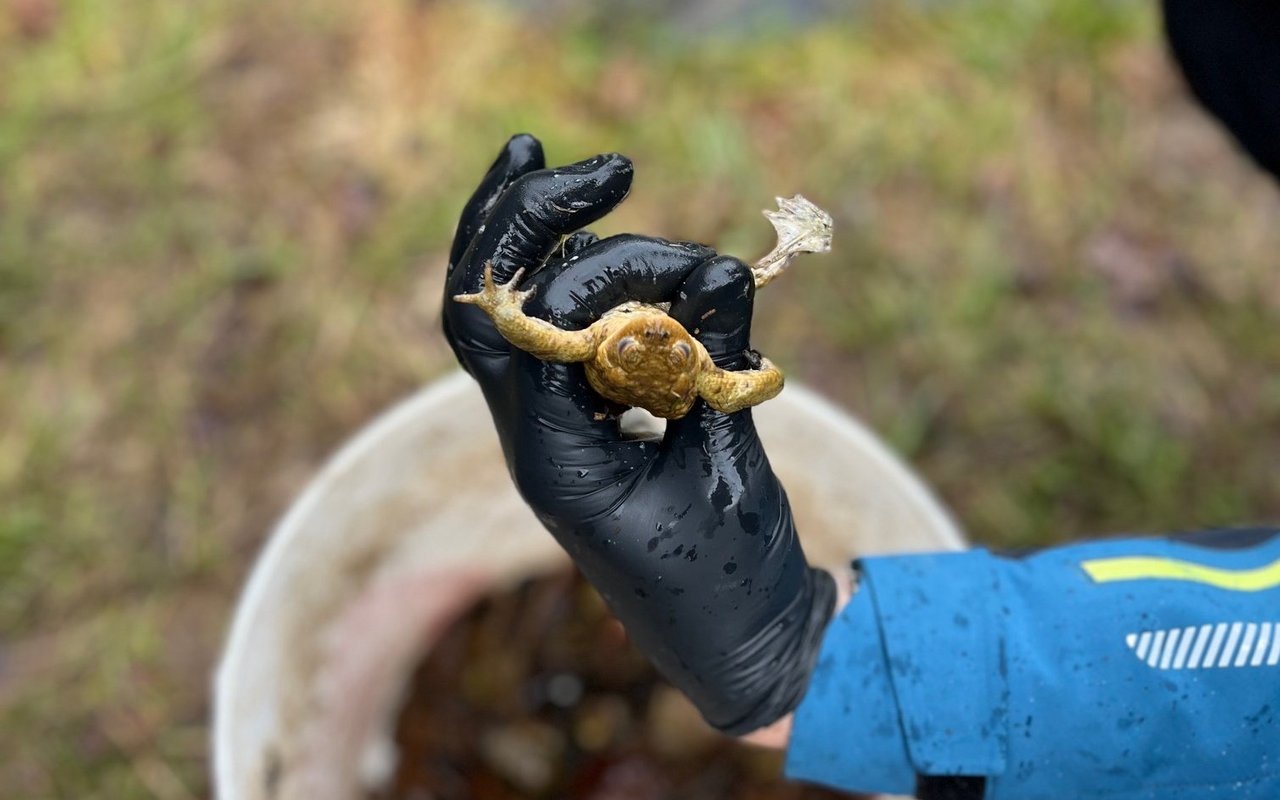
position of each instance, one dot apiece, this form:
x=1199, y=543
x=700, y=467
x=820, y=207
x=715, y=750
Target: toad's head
x=650, y=361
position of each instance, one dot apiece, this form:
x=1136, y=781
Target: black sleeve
x=1229, y=52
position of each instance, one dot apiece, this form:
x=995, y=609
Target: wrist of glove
x=690, y=539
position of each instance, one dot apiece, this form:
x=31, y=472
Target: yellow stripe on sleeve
x=1138, y=568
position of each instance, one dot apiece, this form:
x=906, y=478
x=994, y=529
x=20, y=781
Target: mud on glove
x=689, y=539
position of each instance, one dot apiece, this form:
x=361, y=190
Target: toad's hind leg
x=535, y=336
x=727, y=391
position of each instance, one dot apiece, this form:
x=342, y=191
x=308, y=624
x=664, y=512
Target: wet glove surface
x=689, y=539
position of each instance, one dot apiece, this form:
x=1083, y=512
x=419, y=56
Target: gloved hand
x=690, y=539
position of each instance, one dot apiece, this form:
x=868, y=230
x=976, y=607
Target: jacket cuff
x=846, y=732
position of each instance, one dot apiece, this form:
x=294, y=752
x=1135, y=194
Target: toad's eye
x=679, y=355
x=628, y=353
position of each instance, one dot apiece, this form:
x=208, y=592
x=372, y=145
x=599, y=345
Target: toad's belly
x=647, y=359
x=662, y=395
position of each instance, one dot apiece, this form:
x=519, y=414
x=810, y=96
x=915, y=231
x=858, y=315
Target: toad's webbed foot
x=498, y=299
x=802, y=228
x=504, y=304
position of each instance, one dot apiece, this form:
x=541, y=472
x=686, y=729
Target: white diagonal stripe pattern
x=1219, y=631
x=1233, y=638
x=1212, y=645
x=1246, y=647
x=1144, y=642
x=1170, y=645
x=1183, y=646
x=1260, y=649
x=1202, y=641
x=1153, y=658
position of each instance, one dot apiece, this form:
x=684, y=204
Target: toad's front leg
x=504, y=304
x=727, y=391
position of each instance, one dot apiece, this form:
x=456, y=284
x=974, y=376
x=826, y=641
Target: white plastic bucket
x=412, y=520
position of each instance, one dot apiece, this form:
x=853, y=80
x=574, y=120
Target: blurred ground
x=223, y=228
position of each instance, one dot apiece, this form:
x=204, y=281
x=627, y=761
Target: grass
x=223, y=227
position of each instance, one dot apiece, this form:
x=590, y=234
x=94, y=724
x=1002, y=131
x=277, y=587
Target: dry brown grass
x=222, y=228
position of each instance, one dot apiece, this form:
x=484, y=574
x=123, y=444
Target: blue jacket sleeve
x=1124, y=670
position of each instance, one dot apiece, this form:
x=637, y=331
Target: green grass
x=223, y=225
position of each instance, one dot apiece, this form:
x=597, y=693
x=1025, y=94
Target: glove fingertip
x=521, y=155
x=523, y=149
x=715, y=305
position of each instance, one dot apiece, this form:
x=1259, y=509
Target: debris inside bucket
x=536, y=693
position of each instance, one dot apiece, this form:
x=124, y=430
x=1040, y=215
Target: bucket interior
x=414, y=519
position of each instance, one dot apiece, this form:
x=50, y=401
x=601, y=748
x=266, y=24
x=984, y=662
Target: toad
x=638, y=355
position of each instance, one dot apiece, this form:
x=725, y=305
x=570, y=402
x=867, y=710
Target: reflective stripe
x=1167, y=660
x=1242, y=657
x=1219, y=631
x=1233, y=639
x=1185, y=645
x=1260, y=651
x=1144, y=642
x=1202, y=640
x=1154, y=657
x=1230, y=645
x=1136, y=568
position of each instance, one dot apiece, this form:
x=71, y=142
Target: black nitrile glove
x=689, y=539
